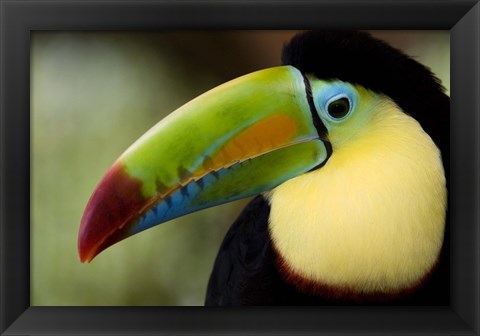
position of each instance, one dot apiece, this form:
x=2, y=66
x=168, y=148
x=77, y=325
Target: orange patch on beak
x=266, y=135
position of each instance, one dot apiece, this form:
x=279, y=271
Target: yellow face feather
x=372, y=219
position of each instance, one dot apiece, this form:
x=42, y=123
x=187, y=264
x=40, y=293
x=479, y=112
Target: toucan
x=345, y=148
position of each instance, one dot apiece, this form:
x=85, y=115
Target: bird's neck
x=372, y=219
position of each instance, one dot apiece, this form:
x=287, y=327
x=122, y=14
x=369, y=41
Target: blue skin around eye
x=332, y=90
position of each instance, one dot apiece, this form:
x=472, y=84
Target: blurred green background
x=95, y=93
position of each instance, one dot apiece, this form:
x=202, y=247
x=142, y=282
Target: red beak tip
x=83, y=255
x=85, y=261
x=117, y=198
x=85, y=248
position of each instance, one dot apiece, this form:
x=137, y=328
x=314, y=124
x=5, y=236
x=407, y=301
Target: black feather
x=245, y=271
x=356, y=57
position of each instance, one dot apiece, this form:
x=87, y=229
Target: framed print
x=81, y=81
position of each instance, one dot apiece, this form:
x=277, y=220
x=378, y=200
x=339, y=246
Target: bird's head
x=338, y=96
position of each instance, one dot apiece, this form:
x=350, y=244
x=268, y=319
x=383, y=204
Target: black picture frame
x=18, y=18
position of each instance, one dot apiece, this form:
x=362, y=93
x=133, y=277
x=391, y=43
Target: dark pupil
x=339, y=108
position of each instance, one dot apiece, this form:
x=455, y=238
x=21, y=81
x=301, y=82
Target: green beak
x=242, y=138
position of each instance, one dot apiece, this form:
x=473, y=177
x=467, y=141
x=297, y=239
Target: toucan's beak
x=239, y=139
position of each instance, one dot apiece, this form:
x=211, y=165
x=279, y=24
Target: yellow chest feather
x=372, y=219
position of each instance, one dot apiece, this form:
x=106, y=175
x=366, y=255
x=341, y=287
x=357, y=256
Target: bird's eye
x=338, y=107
